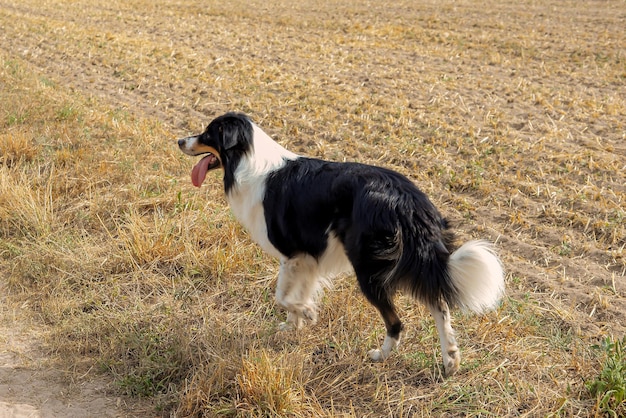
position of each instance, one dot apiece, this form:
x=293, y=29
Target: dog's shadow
x=334, y=372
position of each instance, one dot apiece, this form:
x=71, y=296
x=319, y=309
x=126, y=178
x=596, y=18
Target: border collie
x=323, y=218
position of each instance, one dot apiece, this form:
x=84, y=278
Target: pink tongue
x=198, y=174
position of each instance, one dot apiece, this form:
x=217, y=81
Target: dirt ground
x=512, y=75
x=29, y=387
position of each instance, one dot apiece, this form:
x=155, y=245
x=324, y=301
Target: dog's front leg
x=295, y=291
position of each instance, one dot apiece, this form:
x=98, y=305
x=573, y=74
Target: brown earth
x=29, y=387
x=535, y=91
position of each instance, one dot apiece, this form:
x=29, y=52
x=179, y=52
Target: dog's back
x=317, y=215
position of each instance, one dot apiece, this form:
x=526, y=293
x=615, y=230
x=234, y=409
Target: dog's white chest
x=246, y=203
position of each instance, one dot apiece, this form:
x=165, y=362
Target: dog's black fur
x=391, y=233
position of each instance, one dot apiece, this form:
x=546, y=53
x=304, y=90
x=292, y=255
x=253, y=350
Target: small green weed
x=150, y=360
x=609, y=387
x=66, y=112
x=16, y=118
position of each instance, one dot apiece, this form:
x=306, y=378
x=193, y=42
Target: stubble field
x=124, y=291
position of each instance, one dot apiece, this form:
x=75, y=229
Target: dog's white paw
x=377, y=355
x=310, y=314
x=452, y=362
x=297, y=316
x=382, y=353
x=292, y=323
x=286, y=326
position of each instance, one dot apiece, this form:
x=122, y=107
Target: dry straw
x=511, y=116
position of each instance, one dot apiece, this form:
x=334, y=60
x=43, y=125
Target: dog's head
x=224, y=142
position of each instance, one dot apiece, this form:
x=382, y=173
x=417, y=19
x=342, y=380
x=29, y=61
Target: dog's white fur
x=474, y=268
x=300, y=279
x=246, y=197
x=477, y=274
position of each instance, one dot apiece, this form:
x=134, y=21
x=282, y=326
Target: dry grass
x=510, y=116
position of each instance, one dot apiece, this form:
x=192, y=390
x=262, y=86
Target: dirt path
x=30, y=386
x=29, y=389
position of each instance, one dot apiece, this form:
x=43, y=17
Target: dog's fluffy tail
x=477, y=276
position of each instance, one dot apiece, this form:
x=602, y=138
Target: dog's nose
x=181, y=142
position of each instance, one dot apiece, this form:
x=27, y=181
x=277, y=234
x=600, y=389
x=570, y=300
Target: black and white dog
x=322, y=218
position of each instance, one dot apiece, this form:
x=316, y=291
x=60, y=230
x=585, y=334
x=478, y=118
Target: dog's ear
x=233, y=131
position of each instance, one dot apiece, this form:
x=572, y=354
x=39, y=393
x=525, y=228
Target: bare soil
x=30, y=387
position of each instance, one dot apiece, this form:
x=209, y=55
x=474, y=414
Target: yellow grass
x=510, y=116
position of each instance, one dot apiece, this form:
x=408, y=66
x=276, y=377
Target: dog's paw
x=310, y=314
x=377, y=355
x=292, y=323
x=382, y=353
x=286, y=326
x=451, y=362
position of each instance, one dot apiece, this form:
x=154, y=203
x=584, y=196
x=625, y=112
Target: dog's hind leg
x=449, y=347
x=297, y=287
x=382, y=300
x=393, y=326
x=392, y=339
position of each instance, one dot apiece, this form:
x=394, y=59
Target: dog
x=323, y=218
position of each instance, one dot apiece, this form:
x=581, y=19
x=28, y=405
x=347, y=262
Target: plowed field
x=510, y=115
